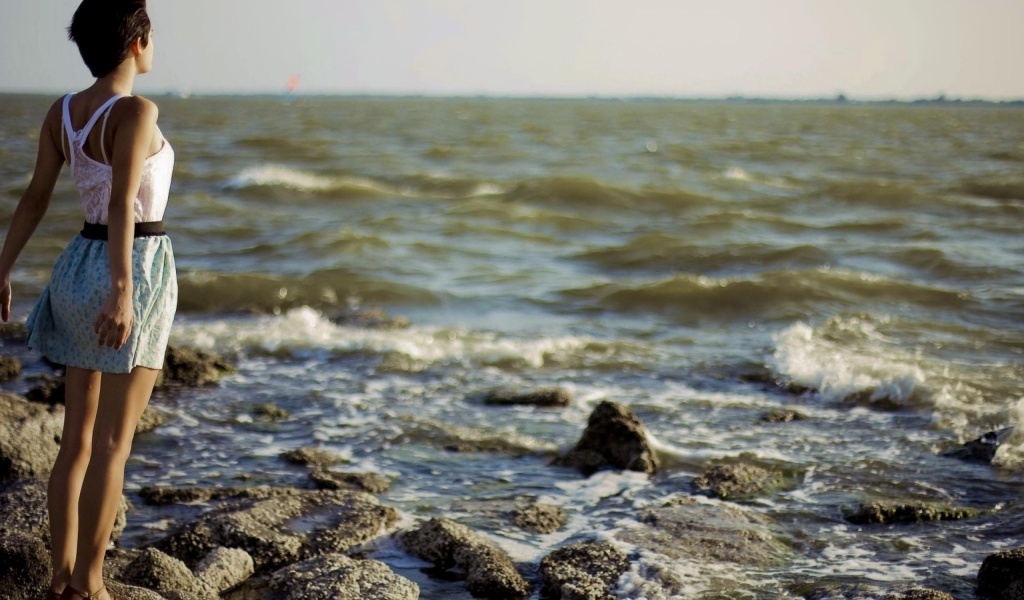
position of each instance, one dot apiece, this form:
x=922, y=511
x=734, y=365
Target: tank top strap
x=68, y=132
x=84, y=134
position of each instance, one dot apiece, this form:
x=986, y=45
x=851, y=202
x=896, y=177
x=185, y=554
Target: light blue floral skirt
x=61, y=324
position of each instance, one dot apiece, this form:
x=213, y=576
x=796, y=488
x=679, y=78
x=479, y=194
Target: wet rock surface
x=445, y=543
x=24, y=567
x=284, y=529
x=736, y=481
x=225, y=568
x=162, y=496
x=374, y=483
x=190, y=367
x=879, y=513
x=317, y=457
x=544, y=397
x=48, y=390
x=981, y=450
x=541, y=518
x=156, y=571
x=29, y=437
x=10, y=368
x=583, y=571
x=23, y=510
x=1001, y=576
x=782, y=415
x=686, y=528
x=338, y=577
x=614, y=437
x=269, y=412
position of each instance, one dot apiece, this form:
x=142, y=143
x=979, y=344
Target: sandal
x=52, y=594
x=71, y=593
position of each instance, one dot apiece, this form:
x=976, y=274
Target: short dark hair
x=105, y=29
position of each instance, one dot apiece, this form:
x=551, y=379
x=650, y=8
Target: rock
x=916, y=593
x=49, y=390
x=879, y=513
x=270, y=412
x=782, y=415
x=374, y=483
x=10, y=368
x=861, y=591
x=370, y=318
x=614, y=436
x=489, y=571
x=338, y=577
x=317, y=457
x=192, y=367
x=24, y=567
x=132, y=592
x=696, y=531
x=583, y=571
x=162, y=496
x=256, y=587
x=155, y=570
x=542, y=518
x=454, y=439
x=225, y=568
x=29, y=437
x=1001, y=576
x=735, y=481
x=281, y=530
x=150, y=420
x=545, y=397
x=981, y=450
x=23, y=510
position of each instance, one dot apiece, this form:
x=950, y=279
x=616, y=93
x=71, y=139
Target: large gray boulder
x=156, y=571
x=23, y=510
x=225, y=568
x=687, y=529
x=538, y=517
x=29, y=437
x=614, y=437
x=190, y=367
x=583, y=571
x=738, y=481
x=489, y=570
x=281, y=530
x=1001, y=576
x=338, y=577
x=24, y=567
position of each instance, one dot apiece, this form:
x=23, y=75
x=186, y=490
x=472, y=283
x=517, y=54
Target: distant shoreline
x=839, y=100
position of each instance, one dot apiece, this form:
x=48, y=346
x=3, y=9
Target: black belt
x=95, y=231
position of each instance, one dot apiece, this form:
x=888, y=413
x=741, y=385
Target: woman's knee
x=112, y=446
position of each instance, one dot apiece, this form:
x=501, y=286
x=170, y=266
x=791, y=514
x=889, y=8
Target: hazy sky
x=788, y=48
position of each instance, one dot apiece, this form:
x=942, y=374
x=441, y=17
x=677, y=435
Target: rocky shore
x=269, y=542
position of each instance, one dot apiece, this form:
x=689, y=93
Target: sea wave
x=212, y=292
x=408, y=349
x=842, y=370
x=271, y=177
x=776, y=294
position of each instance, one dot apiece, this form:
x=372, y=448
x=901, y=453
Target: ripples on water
x=655, y=253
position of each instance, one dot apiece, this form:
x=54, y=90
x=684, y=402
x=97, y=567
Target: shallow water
x=658, y=254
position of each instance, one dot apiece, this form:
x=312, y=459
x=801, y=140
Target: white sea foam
x=837, y=371
x=305, y=328
x=1011, y=452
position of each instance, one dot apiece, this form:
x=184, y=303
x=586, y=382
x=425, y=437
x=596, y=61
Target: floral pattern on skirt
x=61, y=324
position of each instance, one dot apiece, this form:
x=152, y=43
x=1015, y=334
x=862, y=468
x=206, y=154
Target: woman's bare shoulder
x=137, y=108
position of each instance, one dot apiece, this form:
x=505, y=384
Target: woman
x=107, y=311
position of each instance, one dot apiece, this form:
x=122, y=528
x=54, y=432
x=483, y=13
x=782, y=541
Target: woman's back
x=86, y=149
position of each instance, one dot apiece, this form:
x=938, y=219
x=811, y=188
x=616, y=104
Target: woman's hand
x=5, y=299
x=115, y=320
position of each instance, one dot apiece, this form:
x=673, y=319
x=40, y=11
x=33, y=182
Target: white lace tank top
x=93, y=178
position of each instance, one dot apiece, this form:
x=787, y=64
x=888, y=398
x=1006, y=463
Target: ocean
x=701, y=262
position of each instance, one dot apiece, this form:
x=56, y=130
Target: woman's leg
x=81, y=396
x=123, y=397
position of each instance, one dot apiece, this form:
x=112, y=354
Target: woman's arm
x=33, y=203
x=132, y=136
